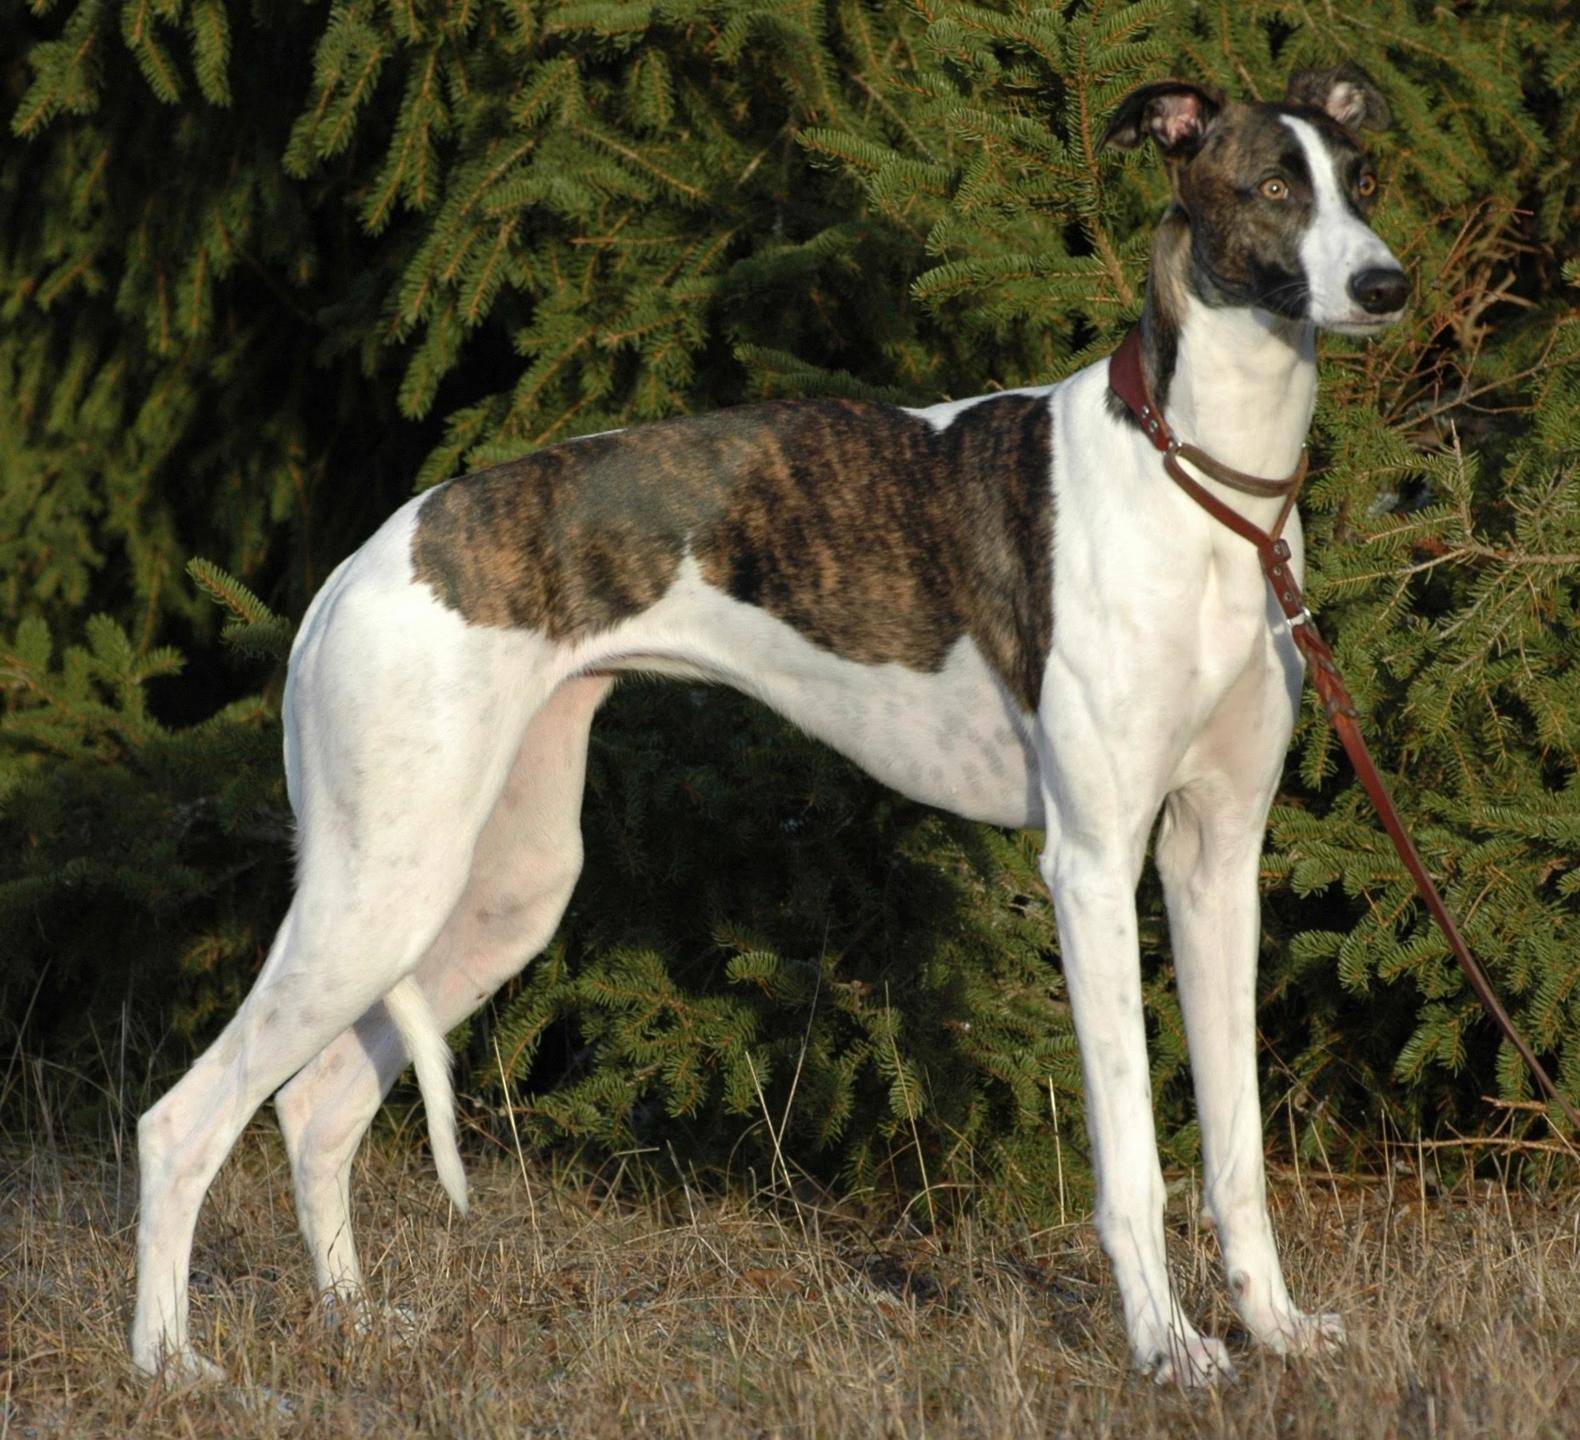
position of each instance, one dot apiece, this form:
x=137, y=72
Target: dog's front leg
x=1096, y=842
x=1208, y=852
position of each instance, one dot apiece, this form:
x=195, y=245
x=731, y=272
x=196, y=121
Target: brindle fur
x=872, y=533
x=1245, y=249
x=1168, y=283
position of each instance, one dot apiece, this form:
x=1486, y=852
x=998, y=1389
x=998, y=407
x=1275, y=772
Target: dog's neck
x=1240, y=383
x=1244, y=386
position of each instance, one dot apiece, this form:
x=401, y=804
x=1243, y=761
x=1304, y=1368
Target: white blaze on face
x=1338, y=244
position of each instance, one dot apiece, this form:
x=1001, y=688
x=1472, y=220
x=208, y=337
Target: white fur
x=1338, y=244
x=436, y=771
x=942, y=415
x=408, y=1010
x=953, y=738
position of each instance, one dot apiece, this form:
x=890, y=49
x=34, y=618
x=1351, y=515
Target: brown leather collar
x=1128, y=381
x=1127, y=378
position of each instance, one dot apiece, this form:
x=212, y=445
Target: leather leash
x=1127, y=379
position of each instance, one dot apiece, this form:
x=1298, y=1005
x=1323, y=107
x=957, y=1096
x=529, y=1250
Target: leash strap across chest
x=1127, y=378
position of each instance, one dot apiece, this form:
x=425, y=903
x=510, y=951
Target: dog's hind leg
x=1209, y=848
x=526, y=863
x=402, y=725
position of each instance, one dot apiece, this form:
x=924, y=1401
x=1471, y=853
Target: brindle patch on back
x=873, y=534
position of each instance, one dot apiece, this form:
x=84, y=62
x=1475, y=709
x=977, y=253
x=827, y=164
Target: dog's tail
x=408, y=1008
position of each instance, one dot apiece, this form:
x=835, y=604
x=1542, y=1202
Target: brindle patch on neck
x=873, y=534
x=1168, y=285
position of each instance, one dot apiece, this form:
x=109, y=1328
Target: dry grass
x=560, y=1311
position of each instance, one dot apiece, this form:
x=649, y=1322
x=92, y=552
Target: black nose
x=1379, y=292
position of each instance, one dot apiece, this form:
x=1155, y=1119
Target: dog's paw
x=1189, y=1361
x=400, y=1321
x=185, y=1367
x=356, y=1314
x=1297, y=1334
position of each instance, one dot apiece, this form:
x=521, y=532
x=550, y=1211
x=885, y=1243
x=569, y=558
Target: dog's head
x=1278, y=196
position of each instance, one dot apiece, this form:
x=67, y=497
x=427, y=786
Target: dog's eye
x=1366, y=186
x=1274, y=189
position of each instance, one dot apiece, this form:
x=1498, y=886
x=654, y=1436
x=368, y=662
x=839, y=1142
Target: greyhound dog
x=996, y=605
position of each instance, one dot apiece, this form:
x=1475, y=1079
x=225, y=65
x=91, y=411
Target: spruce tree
x=263, y=271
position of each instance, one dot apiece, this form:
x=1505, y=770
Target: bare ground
x=555, y=1310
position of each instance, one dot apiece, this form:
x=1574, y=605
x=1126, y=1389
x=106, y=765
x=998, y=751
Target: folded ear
x=1172, y=112
x=1345, y=92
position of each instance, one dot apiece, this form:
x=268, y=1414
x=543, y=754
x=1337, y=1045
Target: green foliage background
x=263, y=267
